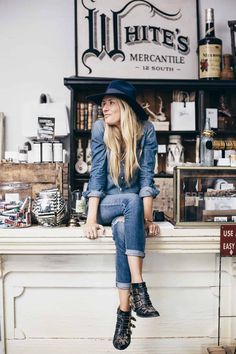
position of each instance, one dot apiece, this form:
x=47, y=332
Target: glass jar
x=15, y=204
x=49, y=208
x=78, y=205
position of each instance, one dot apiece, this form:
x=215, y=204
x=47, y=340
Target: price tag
x=228, y=240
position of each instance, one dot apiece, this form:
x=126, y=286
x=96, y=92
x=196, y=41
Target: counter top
x=71, y=240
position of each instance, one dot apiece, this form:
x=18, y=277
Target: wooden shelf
x=82, y=133
x=74, y=81
x=178, y=132
x=207, y=93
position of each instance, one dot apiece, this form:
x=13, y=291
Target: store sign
x=228, y=240
x=137, y=39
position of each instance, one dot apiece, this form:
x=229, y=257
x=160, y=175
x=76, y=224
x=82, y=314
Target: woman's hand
x=151, y=228
x=91, y=230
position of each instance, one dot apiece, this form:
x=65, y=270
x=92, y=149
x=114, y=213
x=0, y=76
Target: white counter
x=58, y=295
x=71, y=240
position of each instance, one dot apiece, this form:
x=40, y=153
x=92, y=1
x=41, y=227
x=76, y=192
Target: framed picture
x=130, y=39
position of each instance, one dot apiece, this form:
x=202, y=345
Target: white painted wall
x=224, y=11
x=37, y=52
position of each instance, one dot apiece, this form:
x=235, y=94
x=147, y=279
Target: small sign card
x=46, y=128
x=228, y=240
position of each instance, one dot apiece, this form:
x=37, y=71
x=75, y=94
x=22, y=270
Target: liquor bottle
x=80, y=166
x=207, y=155
x=90, y=116
x=78, y=205
x=210, y=51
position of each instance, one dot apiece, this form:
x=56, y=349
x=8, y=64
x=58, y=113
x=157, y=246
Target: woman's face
x=111, y=110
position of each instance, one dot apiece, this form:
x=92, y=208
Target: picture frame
x=130, y=39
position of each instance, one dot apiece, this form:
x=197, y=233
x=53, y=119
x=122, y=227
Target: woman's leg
x=123, y=276
x=130, y=242
x=122, y=335
x=129, y=205
x=124, y=299
x=136, y=267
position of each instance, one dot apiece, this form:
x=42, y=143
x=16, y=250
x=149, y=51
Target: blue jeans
x=128, y=234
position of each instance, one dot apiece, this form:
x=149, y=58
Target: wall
x=224, y=11
x=37, y=52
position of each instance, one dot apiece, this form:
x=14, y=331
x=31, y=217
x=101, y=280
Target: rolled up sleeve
x=98, y=174
x=147, y=163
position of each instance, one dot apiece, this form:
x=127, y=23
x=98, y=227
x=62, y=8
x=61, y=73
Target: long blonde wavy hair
x=122, y=142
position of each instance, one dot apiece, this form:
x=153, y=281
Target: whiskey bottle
x=210, y=51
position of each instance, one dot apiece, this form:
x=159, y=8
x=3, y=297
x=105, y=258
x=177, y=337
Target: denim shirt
x=101, y=182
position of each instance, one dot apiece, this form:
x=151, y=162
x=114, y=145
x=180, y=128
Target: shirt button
x=122, y=177
x=120, y=189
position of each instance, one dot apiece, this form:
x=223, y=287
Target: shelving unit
x=207, y=94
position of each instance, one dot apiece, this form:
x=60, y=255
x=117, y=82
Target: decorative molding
x=105, y=245
x=65, y=240
x=1, y=266
x=18, y=291
x=233, y=266
x=19, y=334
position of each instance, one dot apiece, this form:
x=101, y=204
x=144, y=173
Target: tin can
x=47, y=152
x=57, y=151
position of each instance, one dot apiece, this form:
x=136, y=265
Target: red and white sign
x=228, y=240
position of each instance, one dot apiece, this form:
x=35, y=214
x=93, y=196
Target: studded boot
x=122, y=336
x=140, y=301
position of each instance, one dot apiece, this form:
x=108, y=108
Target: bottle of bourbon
x=210, y=51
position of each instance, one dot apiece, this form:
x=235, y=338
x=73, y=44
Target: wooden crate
x=39, y=175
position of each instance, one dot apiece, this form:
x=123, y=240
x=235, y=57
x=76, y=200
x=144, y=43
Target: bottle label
x=80, y=206
x=210, y=61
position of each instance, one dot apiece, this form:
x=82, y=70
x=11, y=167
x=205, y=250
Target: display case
x=204, y=196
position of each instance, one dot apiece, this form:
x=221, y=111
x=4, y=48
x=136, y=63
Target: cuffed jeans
x=128, y=233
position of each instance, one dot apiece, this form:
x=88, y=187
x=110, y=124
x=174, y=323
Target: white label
x=80, y=206
x=220, y=218
x=210, y=60
x=212, y=113
x=161, y=149
x=12, y=197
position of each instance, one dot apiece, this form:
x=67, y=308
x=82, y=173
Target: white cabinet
x=58, y=292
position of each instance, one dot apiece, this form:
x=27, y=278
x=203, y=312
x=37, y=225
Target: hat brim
x=140, y=112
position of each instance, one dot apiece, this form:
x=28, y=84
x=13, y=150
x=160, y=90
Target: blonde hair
x=122, y=142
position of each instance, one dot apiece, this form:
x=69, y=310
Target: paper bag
x=183, y=116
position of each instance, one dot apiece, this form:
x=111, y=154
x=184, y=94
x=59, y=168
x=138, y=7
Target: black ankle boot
x=140, y=301
x=122, y=336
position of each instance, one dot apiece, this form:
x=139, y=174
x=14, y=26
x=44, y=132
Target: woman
x=120, y=193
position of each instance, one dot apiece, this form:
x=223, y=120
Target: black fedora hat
x=124, y=90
